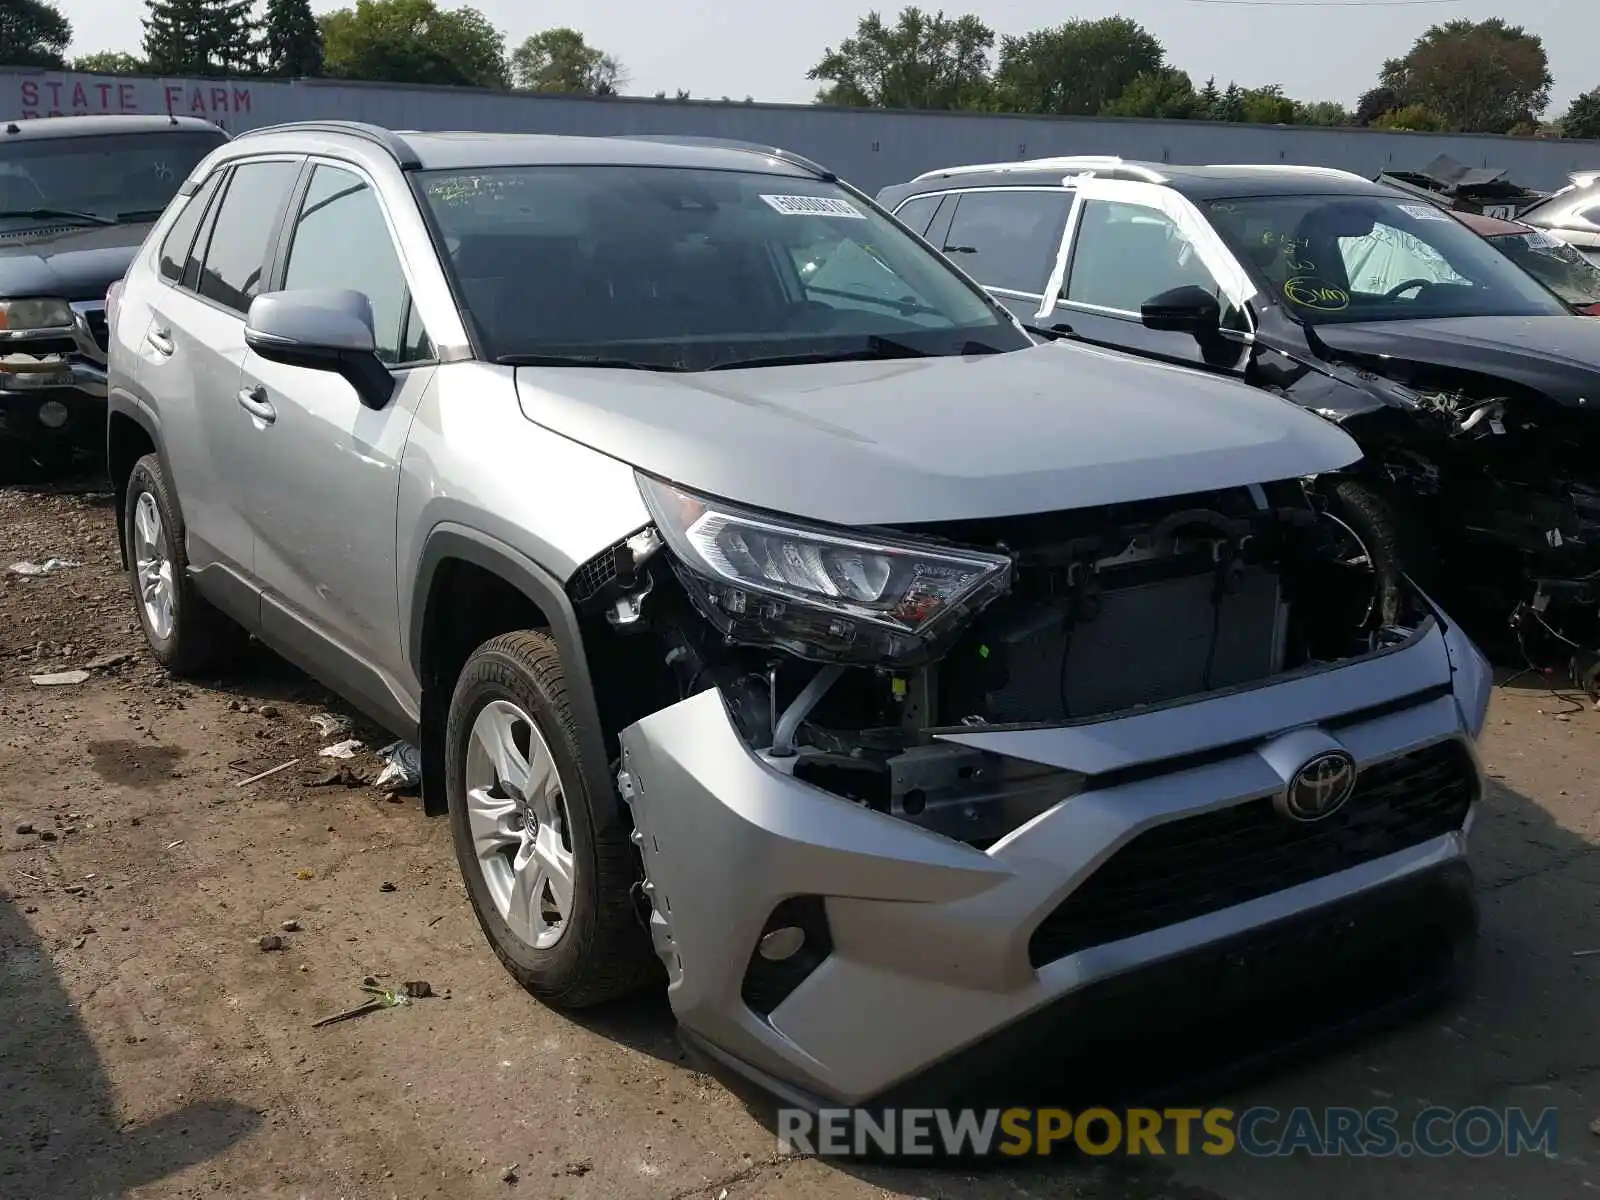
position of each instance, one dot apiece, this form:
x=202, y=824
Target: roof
x=1201, y=182
x=99, y=125
x=450, y=150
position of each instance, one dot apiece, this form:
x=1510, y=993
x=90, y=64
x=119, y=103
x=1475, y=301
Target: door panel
x=325, y=536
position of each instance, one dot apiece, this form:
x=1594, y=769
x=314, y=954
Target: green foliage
x=1079, y=67
x=110, y=62
x=1583, y=118
x=33, y=33
x=1412, y=118
x=1321, y=112
x=1267, y=106
x=1164, y=93
x=413, y=41
x=1476, y=77
x=559, y=60
x=921, y=61
x=201, y=37
x=291, y=41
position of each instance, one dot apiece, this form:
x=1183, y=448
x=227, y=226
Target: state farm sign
x=70, y=94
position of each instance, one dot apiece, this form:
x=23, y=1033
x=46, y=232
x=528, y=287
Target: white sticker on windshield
x=1424, y=212
x=814, y=206
x=1540, y=240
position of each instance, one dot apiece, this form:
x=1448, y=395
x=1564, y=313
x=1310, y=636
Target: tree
x=1267, y=106
x=200, y=37
x=413, y=41
x=1079, y=67
x=1411, y=118
x=1229, y=105
x=1321, y=112
x=33, y=33
x=922, y=61
x=1374, y=103
x=1481, y=77
x=291, y=42
x=559, y=60
x=110, y=62
x=1583, y=118
x=1207, y=99
x=1165, y=93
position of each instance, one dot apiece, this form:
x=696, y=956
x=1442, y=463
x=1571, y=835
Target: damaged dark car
x=1467, y=382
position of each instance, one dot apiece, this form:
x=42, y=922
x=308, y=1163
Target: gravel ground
x=149, y=1047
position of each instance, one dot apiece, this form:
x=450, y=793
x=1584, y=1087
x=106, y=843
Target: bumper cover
x=927, y=940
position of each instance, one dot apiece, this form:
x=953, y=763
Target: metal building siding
x=870, y=148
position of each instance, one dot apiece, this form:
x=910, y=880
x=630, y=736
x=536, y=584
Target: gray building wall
x=871, y=148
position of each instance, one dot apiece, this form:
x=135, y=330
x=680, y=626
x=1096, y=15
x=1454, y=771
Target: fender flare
x=451, y=541
x=121, y=404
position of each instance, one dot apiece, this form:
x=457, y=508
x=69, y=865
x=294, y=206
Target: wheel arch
x=451, y=553
x=132, y=431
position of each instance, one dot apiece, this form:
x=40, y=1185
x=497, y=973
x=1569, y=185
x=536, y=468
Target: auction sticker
x=1424, y=212
x=814, y=206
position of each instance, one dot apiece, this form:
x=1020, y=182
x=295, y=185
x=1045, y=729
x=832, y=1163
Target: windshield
x=1553, y=263
x=118, y=177
x=691, y=269
x=1330, y=259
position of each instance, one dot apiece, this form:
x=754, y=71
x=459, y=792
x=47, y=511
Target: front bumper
x=920, y=947
x=53, y=373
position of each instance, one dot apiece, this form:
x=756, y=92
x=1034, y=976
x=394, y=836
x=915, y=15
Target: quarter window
x=1008, y=239
x=341, y=241
x=917, y=213
x=1126, y=254
x=242, y=233
x=179, y=242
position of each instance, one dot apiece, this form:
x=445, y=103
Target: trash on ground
x=509, y=1175
x=260, y=775
x=417, y=989
x=330, y=724
x=381, y=998
x=270, y=941
x=335, y=777
x=386, y=886
x=305, y=873
x=60, y=678
x=174, y=845
x=33, y=570
x=345, y=749
x=290, y=926
x=404, y=770
x=106, y=661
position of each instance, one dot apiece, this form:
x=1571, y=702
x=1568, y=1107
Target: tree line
x=1464, y=76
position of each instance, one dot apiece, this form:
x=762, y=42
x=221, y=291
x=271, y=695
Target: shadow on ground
x=60, y=1137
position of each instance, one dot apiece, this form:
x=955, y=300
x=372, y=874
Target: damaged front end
x=940, y=778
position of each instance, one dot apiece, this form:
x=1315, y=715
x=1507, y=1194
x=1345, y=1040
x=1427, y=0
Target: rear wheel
x=549, y=868
x=185, y=633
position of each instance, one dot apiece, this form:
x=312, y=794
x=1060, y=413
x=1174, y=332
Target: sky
x=754, y=49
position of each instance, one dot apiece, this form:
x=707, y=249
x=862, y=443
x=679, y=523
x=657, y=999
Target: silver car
x=774, y=615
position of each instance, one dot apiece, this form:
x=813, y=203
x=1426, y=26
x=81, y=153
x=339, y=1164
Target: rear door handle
x=254, y=401
x=161, y=341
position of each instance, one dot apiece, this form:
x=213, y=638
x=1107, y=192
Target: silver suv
x=760, y=593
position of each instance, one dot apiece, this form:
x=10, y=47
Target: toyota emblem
x=1320, y=787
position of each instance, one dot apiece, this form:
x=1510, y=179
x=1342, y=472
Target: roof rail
x=1068, y=162
x=690, y=139
x=1302, y=168
x=393, y=143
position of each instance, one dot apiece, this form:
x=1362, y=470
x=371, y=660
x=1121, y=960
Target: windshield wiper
x=58, y=214
x=139, y=215
x=877, y=347
x=583, y=360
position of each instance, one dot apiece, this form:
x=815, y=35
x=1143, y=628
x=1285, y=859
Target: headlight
x=821, y=593
x=17, y=316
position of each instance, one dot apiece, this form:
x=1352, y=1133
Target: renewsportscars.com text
x=1476, y=1132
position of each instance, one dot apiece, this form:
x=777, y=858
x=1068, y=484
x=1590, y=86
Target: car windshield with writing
x=126, y=177
x=1553, y=263
x=1329, y=259
x=691, y=269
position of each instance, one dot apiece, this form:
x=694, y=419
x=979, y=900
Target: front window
x=110, y=178
x=1331, y=259
x=1553, y=263
x=690, y=269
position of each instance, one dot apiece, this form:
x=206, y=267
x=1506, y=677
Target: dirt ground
x=149, y=1047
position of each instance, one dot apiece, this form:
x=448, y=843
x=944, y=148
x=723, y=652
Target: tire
x=200, y=639
x=602, y=951
x=1386, y=533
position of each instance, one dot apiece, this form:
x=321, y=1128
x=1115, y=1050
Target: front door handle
x=254, y=401
x=161, y=341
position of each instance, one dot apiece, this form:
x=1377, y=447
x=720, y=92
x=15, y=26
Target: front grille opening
x=99, y=328
x=1203, y=864
x=799, y=927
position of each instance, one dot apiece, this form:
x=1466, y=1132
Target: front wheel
x=549, y=868
x=1378, y=539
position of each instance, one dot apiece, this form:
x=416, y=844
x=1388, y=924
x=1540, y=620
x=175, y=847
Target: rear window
x=688, y=268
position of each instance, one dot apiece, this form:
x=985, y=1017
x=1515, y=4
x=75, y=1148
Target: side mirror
x=1186, y=309
x=321, y=331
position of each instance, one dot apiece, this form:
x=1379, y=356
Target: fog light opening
x=53, y=414
x=783, y=943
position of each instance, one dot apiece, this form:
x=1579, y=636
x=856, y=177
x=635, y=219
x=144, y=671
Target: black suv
x=77, y=197
x=1473, y=390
